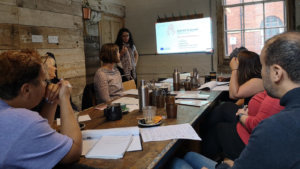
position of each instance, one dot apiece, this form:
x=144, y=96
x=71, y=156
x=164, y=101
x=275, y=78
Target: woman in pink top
x=229, y=138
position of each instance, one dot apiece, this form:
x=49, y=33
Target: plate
x=142, y=123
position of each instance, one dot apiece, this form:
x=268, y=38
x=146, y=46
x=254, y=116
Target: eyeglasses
x=46, y=58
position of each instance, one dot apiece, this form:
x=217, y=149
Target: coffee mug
x=113, y=112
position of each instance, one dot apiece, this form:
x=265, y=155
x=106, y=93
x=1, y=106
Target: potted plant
x=86, y=10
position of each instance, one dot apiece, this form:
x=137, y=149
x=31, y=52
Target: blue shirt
x=27, y=140
x=275, y=142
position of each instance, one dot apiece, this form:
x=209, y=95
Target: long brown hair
x=249, y=66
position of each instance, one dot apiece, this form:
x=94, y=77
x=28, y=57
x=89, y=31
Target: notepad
x=92, y=137
x=110, y=147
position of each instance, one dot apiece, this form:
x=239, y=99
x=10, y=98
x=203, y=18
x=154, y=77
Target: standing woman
x=107, y=80
x=128, y=54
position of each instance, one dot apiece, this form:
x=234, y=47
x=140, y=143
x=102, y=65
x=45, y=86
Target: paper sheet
x=214, y=85
x=80, y=119
x=131, y=92
x=190, y=102
x=127, y=101
x=180, y=131
x=192, y=96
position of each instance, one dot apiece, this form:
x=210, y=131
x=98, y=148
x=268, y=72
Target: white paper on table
x=131, y=92
x=192, y=96
x=190, y=102
x=214, y=84
x=110, y=147
x=80, y=119
x=96, y=134
x=161, y=133
x=127, y=101
x=221, y=88
x=132, y=107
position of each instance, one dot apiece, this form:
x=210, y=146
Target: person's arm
x=268, y=107
x=69, y=124
x=247, y=89
x=50, y=105
x=102, y=87
x=136, y=56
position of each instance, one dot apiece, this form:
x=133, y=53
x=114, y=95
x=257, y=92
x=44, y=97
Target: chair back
x=88, y=98
x=129, y=85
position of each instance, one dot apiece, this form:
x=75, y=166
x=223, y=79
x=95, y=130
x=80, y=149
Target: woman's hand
x=242, y=111
x=123, y=51
x=234, y=63
x=65, y=89
x=51, y=94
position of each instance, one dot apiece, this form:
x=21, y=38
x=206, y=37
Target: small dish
x=142, y=123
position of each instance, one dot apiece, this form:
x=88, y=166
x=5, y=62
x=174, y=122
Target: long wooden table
x=154, y=154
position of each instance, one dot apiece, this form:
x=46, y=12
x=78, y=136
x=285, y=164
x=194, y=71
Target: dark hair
x=284, y=50
x=236, y=51
x=119, y=40
x=249, y=66
x=16, y=69
x=109, y=53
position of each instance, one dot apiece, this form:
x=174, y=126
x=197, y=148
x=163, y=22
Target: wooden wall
x=19, y=19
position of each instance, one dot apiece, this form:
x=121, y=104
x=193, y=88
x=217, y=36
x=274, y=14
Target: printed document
x=179, y=131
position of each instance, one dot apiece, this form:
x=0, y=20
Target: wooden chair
x=129, y=85
x=88, y=97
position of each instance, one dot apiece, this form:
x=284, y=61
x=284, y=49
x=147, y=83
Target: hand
x=242, y=111
x=204, y=168
x=51, y=94
x=124, y=50
x=65, y=89
x=229, y=162
x=234, y=63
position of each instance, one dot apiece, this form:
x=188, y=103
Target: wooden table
x=154, y=154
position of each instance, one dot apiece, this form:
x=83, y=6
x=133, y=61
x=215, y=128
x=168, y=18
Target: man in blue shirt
x=275, y=142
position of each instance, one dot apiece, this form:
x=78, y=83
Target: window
x=250, y=23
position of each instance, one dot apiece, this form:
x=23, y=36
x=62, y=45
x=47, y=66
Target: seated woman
x=245, y=80
x=49, y=63
x=244, y=83
x=228, y=139
x=107, y=80
x=29, y=141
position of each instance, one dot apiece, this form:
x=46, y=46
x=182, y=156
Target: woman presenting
x=128, y=54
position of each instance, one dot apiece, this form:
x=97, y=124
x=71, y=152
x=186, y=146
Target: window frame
x=289, y=24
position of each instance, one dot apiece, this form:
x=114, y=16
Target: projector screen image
x=184, y=36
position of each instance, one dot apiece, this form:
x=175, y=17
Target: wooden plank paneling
x=9, y=36
x=50, y=19
x=57, y=6
x=8, y=2
x=19, y=37
x=9, y=14
x=68, y=38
